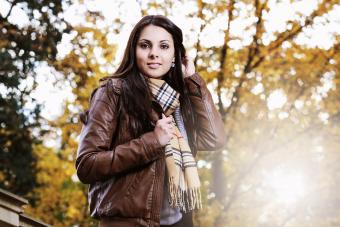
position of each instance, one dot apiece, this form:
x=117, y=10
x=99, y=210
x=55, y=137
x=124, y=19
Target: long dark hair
x=136, y=101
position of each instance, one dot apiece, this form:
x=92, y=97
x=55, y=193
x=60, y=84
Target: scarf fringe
x=185, y=199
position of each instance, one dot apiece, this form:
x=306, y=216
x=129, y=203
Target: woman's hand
x=164, y=130
x=188, y=66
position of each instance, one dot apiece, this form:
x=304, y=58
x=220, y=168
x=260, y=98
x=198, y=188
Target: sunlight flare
x=287, y=187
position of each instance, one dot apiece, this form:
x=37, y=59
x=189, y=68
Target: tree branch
x=201, y=6
x=254, y=47
x=253, y=50
x=223, y=59
x=10, y=10
x=297, y=27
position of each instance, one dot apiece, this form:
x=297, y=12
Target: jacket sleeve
x=210, y=134
x=95, y=161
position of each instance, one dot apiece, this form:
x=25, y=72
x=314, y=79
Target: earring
x=173, y=64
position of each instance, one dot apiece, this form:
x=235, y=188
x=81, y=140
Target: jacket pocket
x=114, y=192
x=129, y=198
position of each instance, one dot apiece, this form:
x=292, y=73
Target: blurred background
x=271, y=65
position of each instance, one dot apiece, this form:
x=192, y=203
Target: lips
x=154, y=65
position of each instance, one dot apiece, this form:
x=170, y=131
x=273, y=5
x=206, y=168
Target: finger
x=167, y=120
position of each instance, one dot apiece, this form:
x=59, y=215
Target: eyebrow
x=146, y=40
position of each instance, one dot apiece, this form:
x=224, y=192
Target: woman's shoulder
x=112, y=84
x=109, y=89
x=107, y=92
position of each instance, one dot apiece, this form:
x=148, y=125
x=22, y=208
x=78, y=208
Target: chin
x=155, y=75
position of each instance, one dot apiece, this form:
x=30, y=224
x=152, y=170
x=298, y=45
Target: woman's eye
x=144, y=45
x=164, y=46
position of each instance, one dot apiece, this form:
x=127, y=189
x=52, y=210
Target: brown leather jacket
x=126, y=175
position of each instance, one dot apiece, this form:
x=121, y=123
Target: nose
x=153, y=53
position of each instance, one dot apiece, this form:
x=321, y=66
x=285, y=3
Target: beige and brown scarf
x=184, y=183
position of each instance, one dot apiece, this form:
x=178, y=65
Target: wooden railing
x=12, y=213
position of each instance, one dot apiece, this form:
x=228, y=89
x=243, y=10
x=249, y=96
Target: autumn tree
x=22, y=47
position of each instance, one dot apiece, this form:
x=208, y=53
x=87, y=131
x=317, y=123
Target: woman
x=142, y=131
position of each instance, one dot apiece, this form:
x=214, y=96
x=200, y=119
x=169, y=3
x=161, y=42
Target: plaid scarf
x=184, y=183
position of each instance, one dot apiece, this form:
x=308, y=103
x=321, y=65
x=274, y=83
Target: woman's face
x=155, y=51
